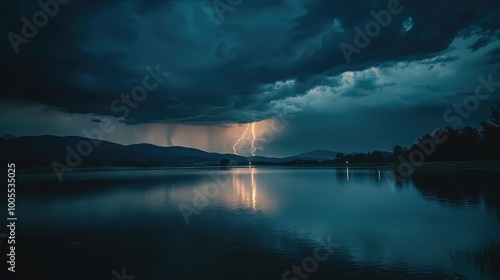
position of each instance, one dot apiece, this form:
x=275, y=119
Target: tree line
x=460, y=144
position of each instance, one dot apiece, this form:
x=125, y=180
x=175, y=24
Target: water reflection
x=254, y=189
x=245, y=191
x=385, y=177
x=484, y=258
x=263, y=220
x=460, y=189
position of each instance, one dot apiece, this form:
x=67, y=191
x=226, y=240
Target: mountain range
x=32, y=151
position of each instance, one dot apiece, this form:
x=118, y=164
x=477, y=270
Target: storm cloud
x=263, y=59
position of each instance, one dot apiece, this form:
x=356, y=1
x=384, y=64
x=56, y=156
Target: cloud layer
x=222, y=71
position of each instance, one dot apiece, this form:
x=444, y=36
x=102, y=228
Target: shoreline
x=493, y=165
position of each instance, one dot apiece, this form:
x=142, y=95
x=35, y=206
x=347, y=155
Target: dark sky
x=262, y=60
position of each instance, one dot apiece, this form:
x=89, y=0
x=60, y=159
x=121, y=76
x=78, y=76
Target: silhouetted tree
x=490, y=135
x=339, y=156
x=398, y=151
x=375, y=156
x=493, y=127
x=224, y=162
x=7, y=136
x=469, y=144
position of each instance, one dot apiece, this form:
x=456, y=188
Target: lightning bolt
x=252, y=142
x=239, y=140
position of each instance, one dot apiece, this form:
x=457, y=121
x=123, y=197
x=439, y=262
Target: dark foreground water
x=257, y=223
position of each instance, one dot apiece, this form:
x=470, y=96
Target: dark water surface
x=256, y=223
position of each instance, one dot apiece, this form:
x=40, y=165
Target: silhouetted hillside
x=30, y=151
x=42, y=151
x=319, y=155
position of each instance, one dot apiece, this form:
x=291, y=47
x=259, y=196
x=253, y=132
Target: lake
x=256, y=223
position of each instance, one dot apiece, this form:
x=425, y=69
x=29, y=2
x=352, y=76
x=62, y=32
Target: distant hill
x=318, y=155
x=33, y=151
x=42, y=151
